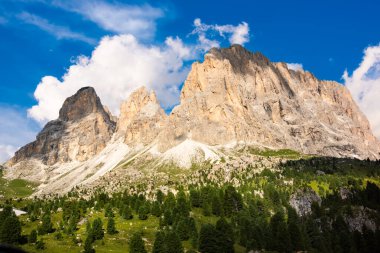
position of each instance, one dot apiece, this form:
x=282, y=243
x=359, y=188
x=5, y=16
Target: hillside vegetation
x=297, y=203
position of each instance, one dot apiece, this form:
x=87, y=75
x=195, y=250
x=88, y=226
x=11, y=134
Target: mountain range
x=233, y=99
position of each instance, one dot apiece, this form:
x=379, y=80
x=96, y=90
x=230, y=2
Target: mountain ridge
x=233, y=98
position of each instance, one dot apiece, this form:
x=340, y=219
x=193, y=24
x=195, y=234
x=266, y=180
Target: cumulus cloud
x=295, y=66
x=15, y=130
x=364, y=85
x=139, y=20
x=118, y=65
x=122, y=63
x=60, y=32
x=238, y=34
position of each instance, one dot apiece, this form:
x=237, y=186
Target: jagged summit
x=81, y=131
x=238, y=55
x=233, y=98
x=238, y=96
x=141, y=117
x=84, y=102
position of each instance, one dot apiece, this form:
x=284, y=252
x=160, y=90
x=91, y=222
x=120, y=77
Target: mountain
x=141, y=118
x=236, y=95
x=233, y=99
x=82, y=130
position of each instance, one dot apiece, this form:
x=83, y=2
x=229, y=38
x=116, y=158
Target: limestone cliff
x=141, y=118
x=81, y=131
x=239, y=96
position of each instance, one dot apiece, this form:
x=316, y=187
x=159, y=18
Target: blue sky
x=42, y=38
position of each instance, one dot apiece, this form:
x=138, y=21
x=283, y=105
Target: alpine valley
x=256, y=157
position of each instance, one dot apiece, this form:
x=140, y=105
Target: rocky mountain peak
x=141, y=117
x=238, y=96
x=238, y=56
x=81, y=131
x=139, y=104
x=84, y=102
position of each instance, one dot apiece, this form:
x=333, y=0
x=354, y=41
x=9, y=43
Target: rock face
x=361, y=217
x=301, y=201
x=81, y=131
x=141, y=118
x=236, y=95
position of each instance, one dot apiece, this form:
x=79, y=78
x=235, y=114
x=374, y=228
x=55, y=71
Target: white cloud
x=60, y=32
x=116, y=17
x=15, y=130
x=295, y=66
x=117, y=66
x=122, y=63
x=364, y=85
x=238, y=34
x=205, y=44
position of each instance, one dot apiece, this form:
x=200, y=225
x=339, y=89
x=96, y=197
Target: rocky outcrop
x=362, y=217
x=82, y=130
x=302, y=200
x=141, y=118
x=239, y=96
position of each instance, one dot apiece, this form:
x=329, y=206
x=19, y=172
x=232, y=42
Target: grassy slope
x=17, y=188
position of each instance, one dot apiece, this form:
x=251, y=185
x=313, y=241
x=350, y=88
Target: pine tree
x=195, y=198
x=173, y=243
x=295, y=236
x=72, y=226
x=226, y=236
x=168, y=218
x=88, y=245
x=46, y=226
x=170, y=201
x=206, y=209
x=111, y=229
x=182, y=206
x=160, y=196
x=182, y=229
x=294, y=229
x=136, y=244
x=208, y=239
x=156, y=209
x=127, y=213
x=216, y=206
x=314, y=236
x=159, y=245
x=193, y=232
x=108, y=211
x=232, y=201
x=97, y=229
x=279, y=233
x=5, y=213
x=143, y=212
x=10, y=230
x=342, y=233
x=32, y=236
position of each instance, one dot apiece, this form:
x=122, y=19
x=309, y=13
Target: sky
x=50, y=49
